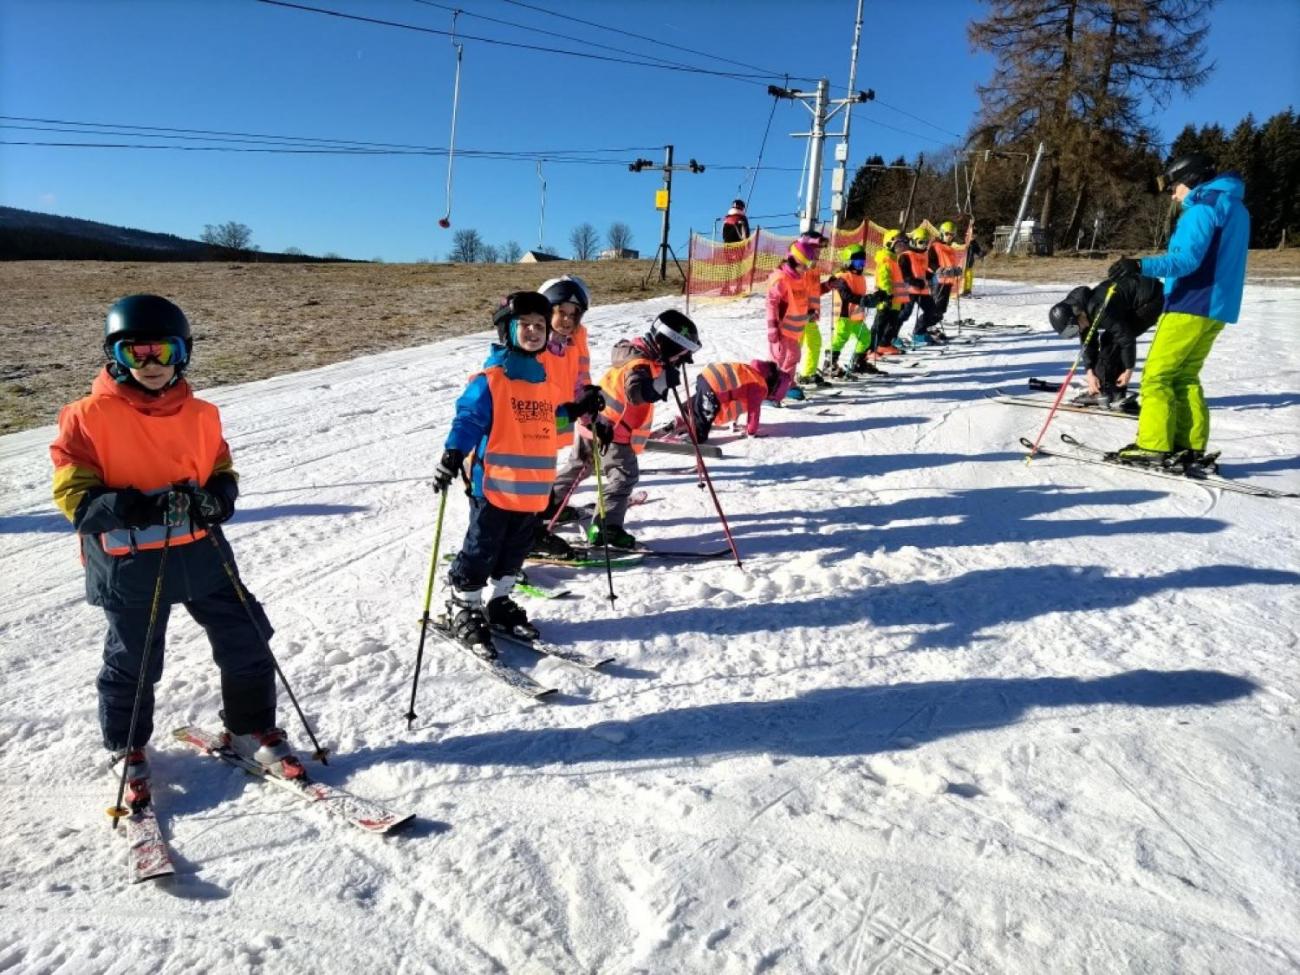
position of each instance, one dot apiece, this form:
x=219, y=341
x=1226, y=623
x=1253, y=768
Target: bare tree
x=232, y=235
x=619, y=237
x=584, y=241
x=294, y=251
x=491, y=254
x=511, y=252
x=466, y=247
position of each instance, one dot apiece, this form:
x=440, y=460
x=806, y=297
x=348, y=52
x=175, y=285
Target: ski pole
x=689, y=419
x=704, y=471
x=117, y=810
x=214, y=533
x=600, y=512
x=582, y=475
x=1069, y=375
x=424, y=618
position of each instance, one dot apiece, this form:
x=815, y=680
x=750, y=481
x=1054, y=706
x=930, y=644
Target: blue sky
x=249, y=67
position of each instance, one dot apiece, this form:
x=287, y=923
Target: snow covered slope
x=955, y=714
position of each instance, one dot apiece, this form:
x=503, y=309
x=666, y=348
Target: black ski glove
x=603, y=431
x=214, y=503
x=591, y=402
x=140, y=510
x=1125, y=267
x=448, y=469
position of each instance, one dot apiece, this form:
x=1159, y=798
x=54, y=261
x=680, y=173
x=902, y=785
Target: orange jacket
x=787, y=304
x=121, y=437
x=917, y=265
x=568, y=370
x=519, y=463
x=857, y=283
x=738, y=388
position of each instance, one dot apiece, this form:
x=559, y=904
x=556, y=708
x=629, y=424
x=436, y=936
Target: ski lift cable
x=762, y=146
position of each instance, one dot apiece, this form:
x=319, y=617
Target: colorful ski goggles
x=137, y=353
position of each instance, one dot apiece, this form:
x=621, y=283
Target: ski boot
x=137, y=792
x=832, y=366
x=269, y=749
x=548, y=545
x=1192, y=461
x=467, y=625
x=615, y=535
x=1136, y=456
x=814, y=379
x=795, y=393
x=1087, y=399
x=503, y=613
x=861, y=366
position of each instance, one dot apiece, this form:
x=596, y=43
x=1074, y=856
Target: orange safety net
x=734, y=270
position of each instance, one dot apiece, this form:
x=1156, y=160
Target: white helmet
x=567, y=289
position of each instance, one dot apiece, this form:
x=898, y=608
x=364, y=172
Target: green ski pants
x=1174, y=415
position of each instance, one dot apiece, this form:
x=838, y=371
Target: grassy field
x=252, y=321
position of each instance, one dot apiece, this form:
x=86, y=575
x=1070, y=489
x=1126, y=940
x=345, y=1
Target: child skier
x=917, y=263
x=508, y=417
x=641, y=374
x=724, y=391
x=814, y=288
x=890, y=281
x=141, y=468
x=787, y=308
x=850, y=320
x=567, y=361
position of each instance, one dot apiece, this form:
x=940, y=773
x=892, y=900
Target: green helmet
x=947, y=227
x=919, y=236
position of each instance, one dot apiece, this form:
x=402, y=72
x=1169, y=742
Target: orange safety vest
x=858, y=285
x=794, y=292
x=919, y=263
x=948, y=260
x=519, y=463
x=726, y=379
x=635, y=418
x=889, y=277
x=568, y=373
x=150, y=454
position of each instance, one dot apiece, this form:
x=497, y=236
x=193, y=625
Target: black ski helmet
x=674, y=337
x=1191, y=169
x=144, y=317
x=567, y=290
x=507, y=315
x=1064, y=315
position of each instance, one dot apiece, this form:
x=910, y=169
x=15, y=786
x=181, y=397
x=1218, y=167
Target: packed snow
x=955, y=713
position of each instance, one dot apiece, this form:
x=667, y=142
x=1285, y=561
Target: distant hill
x=26, y=235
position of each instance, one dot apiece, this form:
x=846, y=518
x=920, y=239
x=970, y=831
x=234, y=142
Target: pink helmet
x=805, y=251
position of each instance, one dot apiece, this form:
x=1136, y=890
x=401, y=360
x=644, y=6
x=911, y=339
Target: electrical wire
x=548, y=33
x=653, y=40
x=731, y=75
x=923, y=121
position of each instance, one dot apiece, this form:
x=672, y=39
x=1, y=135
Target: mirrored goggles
x=858, y=263
x=135, y=354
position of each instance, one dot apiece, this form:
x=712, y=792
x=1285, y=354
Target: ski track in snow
x=956, y=714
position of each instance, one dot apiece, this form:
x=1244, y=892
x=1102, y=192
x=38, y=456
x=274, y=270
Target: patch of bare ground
x=253, y=321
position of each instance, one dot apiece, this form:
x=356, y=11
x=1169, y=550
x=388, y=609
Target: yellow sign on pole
x=661, y=198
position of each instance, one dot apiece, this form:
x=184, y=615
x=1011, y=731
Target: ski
x=529, y=588
x=1093, y=455
x=365, y=814
x=594, y=556
x=1009, y=399
x=149, y=856
x=590, y=558
x=553, y=650
x=514, y=680
x=661, y=553
x=675, y=447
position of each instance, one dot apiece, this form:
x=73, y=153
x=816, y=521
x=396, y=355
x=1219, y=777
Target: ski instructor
x=1204, y=272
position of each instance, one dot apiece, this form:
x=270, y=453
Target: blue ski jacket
x=473, y=421
x=1205, y=266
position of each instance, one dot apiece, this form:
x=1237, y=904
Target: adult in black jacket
x=735, y=226
x=1109, y=358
